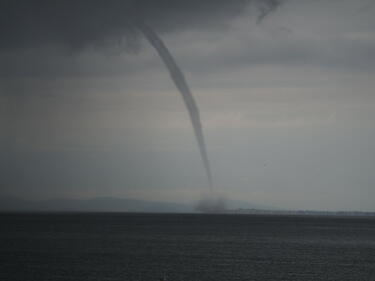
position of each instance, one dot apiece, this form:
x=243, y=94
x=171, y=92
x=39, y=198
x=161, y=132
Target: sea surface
x=194, y=247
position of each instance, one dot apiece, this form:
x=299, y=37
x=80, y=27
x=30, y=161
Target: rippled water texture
x=185, y=247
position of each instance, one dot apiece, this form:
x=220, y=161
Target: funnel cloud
x=280, y=104
x=178, y=77
x=181, y=84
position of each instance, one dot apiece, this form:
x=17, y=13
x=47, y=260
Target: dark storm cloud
x=42, y=22
x=77, y=24
x=286, y=101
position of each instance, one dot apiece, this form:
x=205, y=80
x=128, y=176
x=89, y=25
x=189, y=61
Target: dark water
x=185, y=247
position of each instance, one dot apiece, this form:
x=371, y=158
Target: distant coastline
x=302, y=212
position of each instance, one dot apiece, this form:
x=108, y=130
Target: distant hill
x=112, y=204
x=100, y=204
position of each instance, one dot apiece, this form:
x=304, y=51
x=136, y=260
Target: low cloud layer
x=78, y=24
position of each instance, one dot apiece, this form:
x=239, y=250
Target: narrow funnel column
x=180, y=82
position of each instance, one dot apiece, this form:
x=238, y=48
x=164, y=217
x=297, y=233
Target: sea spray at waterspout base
x=181, y=84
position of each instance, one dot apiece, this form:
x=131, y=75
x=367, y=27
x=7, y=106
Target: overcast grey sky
x=287, y=103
